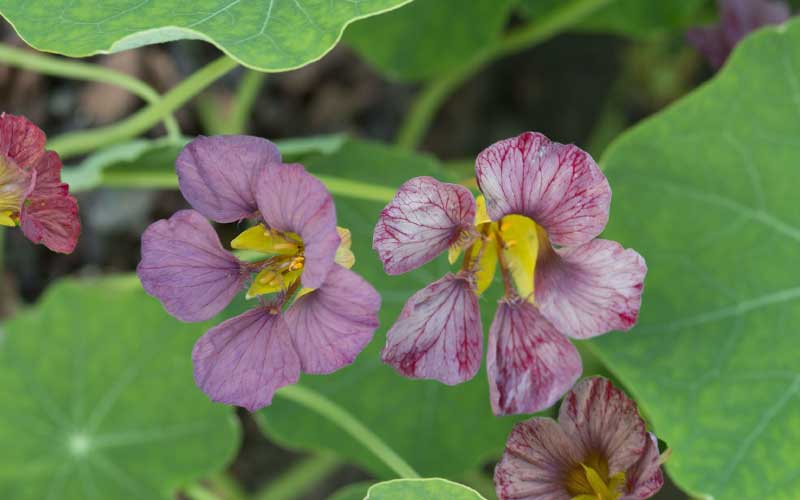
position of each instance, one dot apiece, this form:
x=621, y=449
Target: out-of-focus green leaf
x=418, y=489
x=428, y=37
x=356, y=491
x=271, y=35
x=437, y=429
x=98, y=400
x=707, y=192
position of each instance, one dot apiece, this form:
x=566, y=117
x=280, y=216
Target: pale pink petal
x=290, y=199
x=52, y=221
x=559, y=186
x=530, y=365
x=645, y=478
x=217, y=175
x=21, y=140
x=331, y=325
x=424, y=218
x=590, y=289
x=438, y=334
x=538, y=456
x=602, y=419
x=244, y=360
x=185, y=267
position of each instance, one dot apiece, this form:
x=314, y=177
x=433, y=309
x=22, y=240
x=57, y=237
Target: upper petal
x=48, y=176
x=645, y=478
x=438, y=334
x=20, y=140
x=538, y=455
x=559, y=186
x=331, y=325
x=217, y=175
x=424, y=218
x=530, y=365
x=591, y=289
x=52, y=221
x=290, y=199
x=244, y=360
x=601, y=418
x=185, y=267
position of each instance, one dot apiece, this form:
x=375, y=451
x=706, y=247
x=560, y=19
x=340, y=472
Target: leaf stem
x=348, y=423
x=76, y=143
x=299, y=479
x=76, y=70
x=431, y=98
x=246, y=94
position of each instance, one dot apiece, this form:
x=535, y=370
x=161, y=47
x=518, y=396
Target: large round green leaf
x=707, y=191
x=270, y=35
x=98, y=402
x=418, y=489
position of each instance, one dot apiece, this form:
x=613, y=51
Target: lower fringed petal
x=51, y=221
x=530, y=365
x=645, y=478
x=244, y=360
x=590, y=290
x=537, y=458
x=331, y=325
x=438, y=334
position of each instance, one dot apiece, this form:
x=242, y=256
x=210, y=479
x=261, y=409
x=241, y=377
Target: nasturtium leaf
x=707, y=192
x=437, y=429
x=428, y=37
x=416, y=489
x=98, y=400
x=272, y=35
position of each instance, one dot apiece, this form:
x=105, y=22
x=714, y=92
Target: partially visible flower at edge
x=542, y=207
x=312, y=315
x=31, y=192
x=737, y=19
x=599, y=449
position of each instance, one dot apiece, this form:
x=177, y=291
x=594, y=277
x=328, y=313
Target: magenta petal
x=290, y=199
x=438, y=334
x=331, y=325
x=645, y=478
x=591, y=289
x=184, y=266
x=559, y=186
x=538, y=456
x=244, y=360
x=52, y=222
x=530, y=365
x=21, y=140
x=604, y=420
x=217, y=175
x=424, y=218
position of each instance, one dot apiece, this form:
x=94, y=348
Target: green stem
x=199, y=492
x=348, y=423
x=76, y=70
x=299, y=479
x=428, y=102
x=246, y=95
x=76, y=143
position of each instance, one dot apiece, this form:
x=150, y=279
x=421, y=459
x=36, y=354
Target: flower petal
x=559, y=186
x=645, y=478
x=20, y=140
x=602, y=419
x=438, y=334
x=530, y=365
x=538, y=456
x=424, y=218
x=52, y=221
x=292, y=200
x=244, y=360
x=331, y=325
x=184, y=266
x=218, y=175
x=591, y=289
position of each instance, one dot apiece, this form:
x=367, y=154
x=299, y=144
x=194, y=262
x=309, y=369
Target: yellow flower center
x=13, y=186
x=590, y=480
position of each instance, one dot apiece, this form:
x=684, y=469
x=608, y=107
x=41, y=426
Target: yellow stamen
x=260, y=239
x=590, y=480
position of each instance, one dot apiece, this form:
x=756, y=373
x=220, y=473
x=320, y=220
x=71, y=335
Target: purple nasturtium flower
x=31, y=192
x=599, y=449
x=543, y=205
x=313, y=315
x=737, y=19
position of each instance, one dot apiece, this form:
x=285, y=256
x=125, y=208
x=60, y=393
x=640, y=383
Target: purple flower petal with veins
x=21, y=140
x=438, y=334
x=424, y=218
x=217, y=175
x=185, y=267
x=591, y=289
x=645, y=478
x=331, y=325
